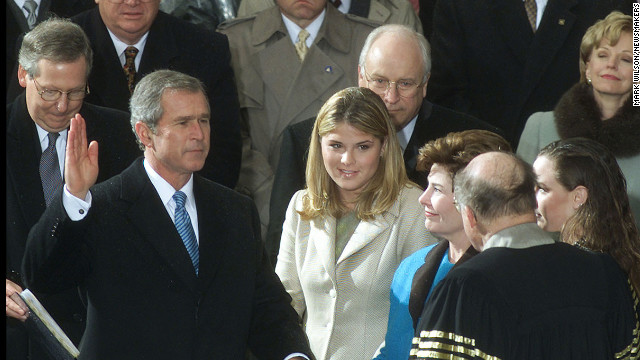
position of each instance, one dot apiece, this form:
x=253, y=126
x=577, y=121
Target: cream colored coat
x=344, y=304
x=384, y=11
x=275, y=90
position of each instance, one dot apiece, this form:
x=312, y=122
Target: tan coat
x=344, y=304
x=276, y=90
x=384, y=11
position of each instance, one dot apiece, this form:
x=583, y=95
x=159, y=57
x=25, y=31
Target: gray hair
x=57, y=40
x=505, y=188
x=146, y=101
x=404, y=31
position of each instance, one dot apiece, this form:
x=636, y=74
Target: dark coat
x=433, y=122
x=144, y=298
x=181, y=46
x=487, y=62
x=25, y=202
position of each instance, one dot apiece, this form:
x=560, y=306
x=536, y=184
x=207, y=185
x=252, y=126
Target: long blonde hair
x=364, y=110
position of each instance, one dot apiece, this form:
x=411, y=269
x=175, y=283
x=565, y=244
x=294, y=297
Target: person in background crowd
x=599, y=106
x=503, y=60
x=382, y=11
x=55, y=61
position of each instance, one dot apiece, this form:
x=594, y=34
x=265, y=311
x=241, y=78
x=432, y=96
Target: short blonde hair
x=609, y=28
x=364, y=110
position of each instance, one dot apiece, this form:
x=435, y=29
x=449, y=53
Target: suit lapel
x=106, y=83
x=511, y=22
x=23, y=161
x=556, y=23
x=322, y=234
x=365, y=233
x=316, y=76
x=152, y=221
x=213, y=235
x=159, y=50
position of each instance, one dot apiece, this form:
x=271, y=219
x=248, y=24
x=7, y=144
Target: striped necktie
x=50, y=169
x=185, y=229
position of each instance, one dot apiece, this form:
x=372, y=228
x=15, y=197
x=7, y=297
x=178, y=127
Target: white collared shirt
x=61, y=145
x=404, y=134
x=313, y=28
x=77, y=208
x=121, y=47
x=166, y=191
x=20, y=3
x=541, y=5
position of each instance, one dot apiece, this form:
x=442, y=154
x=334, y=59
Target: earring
x=589, y=81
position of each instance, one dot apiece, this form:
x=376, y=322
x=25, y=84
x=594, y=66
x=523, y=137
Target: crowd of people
x=324, y=179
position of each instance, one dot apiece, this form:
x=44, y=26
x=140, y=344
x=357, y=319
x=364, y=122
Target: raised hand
x=81, y=161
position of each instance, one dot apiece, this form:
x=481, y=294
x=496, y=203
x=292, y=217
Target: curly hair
x=455, y=150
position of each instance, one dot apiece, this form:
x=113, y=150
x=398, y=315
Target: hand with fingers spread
x=81, y=161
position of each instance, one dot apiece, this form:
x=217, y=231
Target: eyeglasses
x=54, y=95
x=405, y=88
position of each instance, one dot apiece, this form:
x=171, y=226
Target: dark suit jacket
x=433, y=122
x=25, y=201
x=144, y=298
x=17, y=26
x=181, y=46
x=487, y=61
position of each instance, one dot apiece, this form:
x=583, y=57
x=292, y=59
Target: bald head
x=496, y=185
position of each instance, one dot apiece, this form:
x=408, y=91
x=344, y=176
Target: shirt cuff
x=76, y=208
x=296, y=354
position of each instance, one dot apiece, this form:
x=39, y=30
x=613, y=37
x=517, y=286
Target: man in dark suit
x=17, y=25
x=395, y=63
x=54, y=92
x=163, y=41
x=172, y=263
x=490, y=61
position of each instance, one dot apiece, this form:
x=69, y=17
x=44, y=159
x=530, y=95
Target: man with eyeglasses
x=54, y=63
x=395, y=63
x=131, y=38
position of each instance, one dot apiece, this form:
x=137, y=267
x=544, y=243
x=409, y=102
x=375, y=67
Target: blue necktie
x=185, y=229
x=50, y=169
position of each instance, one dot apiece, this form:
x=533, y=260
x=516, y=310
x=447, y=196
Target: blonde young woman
x=347, y=232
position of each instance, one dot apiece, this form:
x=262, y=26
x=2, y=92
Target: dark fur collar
x=577, y=115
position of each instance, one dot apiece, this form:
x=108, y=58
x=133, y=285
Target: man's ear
x=22, y=76
x=144, y=134
x=362, y=82
x=469, y=217
x=579, y=196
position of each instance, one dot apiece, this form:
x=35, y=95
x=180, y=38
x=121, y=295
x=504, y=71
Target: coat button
x=332, y=293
